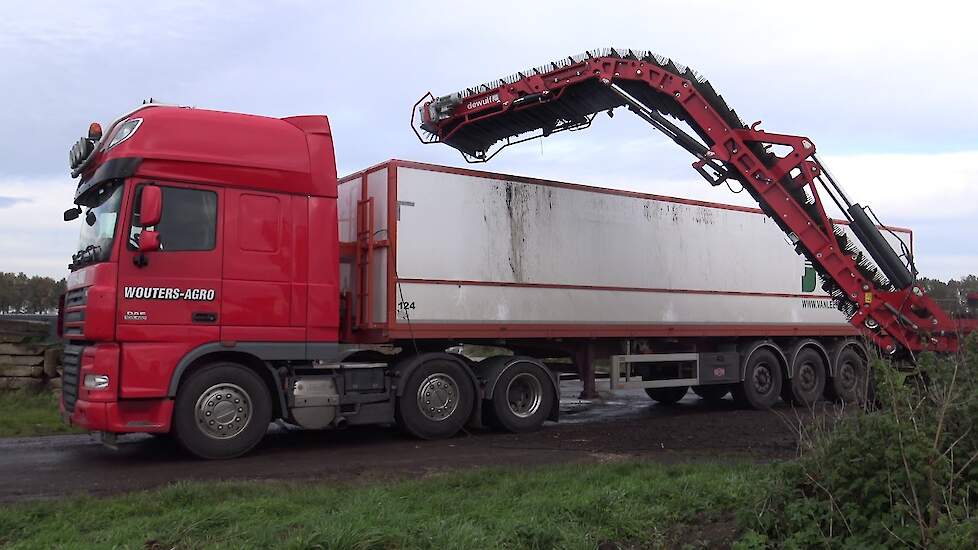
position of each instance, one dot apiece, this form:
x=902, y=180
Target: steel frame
x=895, y=320
x=620, y=377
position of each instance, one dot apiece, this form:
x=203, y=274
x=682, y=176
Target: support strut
x=678, y=136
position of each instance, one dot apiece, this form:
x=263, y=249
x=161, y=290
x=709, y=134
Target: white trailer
x=676, y=292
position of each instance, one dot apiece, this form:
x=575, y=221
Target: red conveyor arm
x=876, y=291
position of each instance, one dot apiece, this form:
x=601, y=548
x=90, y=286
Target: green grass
x=27, y=414
x=572, y=506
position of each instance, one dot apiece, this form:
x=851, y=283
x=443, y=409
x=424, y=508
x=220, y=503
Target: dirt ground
x=626, y=425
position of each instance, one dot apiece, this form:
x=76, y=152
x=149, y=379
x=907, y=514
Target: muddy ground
x=626, y=425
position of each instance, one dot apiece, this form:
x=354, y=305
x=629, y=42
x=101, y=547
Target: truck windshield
x=95, y=239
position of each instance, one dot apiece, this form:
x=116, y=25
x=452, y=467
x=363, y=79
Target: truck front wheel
x=221, y=411
x=437, y=400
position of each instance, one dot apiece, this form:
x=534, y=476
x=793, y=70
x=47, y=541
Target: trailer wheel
x=437, y=400
x=850, y=383
x=522, y=399
x=808, y=383
x=712, y=394
x=221, y=411
x=762, y=382
x=667, y=396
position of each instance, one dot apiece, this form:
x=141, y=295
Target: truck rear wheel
x=808, y=383
x=437, y=400
x=849, y=384
x=522, y=399
x=221, y=411
x=761, y=386
x=712, y=394
x=667, y=396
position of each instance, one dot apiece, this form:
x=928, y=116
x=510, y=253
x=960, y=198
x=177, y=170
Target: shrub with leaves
x=903, y=473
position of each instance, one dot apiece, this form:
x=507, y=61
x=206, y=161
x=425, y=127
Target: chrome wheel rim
x=524, y=395
x=223, y=411
x=438, y=396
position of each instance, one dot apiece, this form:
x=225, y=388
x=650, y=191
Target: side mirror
x=72, y=213
x=149, y=240
x=150, y=206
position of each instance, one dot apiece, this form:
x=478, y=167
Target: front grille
x=76, y=297
x=74, y=320
x=71, y=364
x=75, y=316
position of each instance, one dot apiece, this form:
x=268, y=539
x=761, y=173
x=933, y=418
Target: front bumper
x=100, y=409
x=131, y=416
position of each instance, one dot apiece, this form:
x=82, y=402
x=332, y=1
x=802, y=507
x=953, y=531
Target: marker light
x=125, y=131
x=95, y=131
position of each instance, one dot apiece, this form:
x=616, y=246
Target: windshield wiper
x=84, y=256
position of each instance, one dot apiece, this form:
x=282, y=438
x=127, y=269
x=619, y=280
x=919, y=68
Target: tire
x=522, y=399
x=808, y=383
x=445, y=389
x=712, y=394
x=206, y=426
x=849, y=385
x=667, y=396
x=762, y=382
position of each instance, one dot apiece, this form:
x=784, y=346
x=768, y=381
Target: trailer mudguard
x=749, y=349
x=796, y=348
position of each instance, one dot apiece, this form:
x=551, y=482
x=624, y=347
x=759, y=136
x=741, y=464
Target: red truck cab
x=247, y=264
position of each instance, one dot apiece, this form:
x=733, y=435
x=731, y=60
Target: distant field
x=636, y=504
x=28, y=414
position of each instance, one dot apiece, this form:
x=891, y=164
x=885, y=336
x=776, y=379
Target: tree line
x=952, y=295
x=22, y=294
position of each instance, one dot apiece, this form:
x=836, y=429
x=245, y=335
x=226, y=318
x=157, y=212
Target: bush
x=903, y=473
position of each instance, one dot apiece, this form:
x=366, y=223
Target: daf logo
x=135, y=316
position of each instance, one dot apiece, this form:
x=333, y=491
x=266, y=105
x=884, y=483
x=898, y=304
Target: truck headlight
x=96, y=381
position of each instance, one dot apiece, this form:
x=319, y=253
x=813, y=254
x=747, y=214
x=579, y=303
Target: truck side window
x=188, y=222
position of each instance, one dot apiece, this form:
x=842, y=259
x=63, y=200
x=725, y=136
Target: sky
x=887, y=92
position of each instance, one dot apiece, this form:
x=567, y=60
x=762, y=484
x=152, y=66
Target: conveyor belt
x=568, y=93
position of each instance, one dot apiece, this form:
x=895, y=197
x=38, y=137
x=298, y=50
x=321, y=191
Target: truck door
x=173, y=294
x=260, y=302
